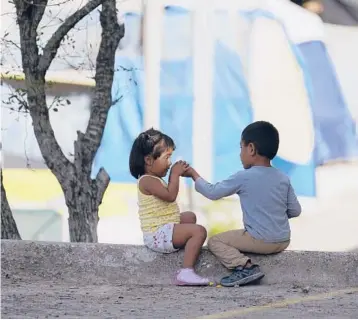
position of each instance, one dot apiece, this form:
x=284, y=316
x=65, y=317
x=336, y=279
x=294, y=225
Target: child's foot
x=187, y=277
x=242, y=276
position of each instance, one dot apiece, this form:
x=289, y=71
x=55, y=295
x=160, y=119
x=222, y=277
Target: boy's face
x=247, y=154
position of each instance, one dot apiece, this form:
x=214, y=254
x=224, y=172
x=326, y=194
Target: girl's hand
x=179, y=168
x=188, y=173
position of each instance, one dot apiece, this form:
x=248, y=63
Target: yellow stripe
x=39, y=186
x=85, y=82
x=24, y=185
x=284, y=303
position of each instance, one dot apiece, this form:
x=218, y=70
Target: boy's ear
x=148, y=160
x=252, y=149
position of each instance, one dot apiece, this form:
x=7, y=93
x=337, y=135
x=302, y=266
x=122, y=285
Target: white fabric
x=161, y=240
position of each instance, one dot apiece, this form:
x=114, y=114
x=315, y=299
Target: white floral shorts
x=161, y=240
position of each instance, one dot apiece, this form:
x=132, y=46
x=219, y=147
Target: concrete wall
x=120, y=264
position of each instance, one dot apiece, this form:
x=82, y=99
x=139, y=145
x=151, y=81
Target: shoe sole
x=247, y=280
x=186, y=284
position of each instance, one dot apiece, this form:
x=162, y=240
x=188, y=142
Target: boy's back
x=267, y=200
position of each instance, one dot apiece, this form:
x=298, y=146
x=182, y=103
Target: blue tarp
x=334, y=127
x=232, y=112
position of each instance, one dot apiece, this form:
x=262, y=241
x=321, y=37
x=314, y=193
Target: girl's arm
x=153, y=186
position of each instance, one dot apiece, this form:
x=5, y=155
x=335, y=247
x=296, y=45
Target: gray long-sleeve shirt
x=267, y=200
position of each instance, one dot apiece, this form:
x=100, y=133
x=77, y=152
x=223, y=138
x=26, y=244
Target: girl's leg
x=192, y=237
x=187, y=217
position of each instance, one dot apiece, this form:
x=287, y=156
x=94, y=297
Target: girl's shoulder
x=145, y=181
x=147, y=176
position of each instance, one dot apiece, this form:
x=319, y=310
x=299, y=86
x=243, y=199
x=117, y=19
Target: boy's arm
x=218, y=190
x=293, y=206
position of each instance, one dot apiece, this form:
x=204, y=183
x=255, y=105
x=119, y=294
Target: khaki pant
x=225, y=246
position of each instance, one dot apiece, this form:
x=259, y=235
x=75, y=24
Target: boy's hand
x=179, y=168
x=188, y=172
x=191, y=173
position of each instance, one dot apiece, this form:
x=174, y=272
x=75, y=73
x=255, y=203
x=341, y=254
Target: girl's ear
x=148, y=160
x=252, y=149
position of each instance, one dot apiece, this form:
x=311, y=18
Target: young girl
x=165, y=229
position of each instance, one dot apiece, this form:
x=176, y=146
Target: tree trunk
x=83, y=198
x=8, y=224
x=83, y=217
x=83, y=225
x=82, y=194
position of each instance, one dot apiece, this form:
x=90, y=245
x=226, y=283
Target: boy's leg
x=226, y=247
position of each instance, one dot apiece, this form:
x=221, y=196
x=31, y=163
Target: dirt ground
x=26, y=299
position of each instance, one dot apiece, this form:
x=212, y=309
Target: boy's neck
x=262, y=162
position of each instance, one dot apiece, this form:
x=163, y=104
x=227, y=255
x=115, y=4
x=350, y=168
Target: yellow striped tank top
x=154, y=212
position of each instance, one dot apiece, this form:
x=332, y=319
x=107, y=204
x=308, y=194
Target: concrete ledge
x=127, y=264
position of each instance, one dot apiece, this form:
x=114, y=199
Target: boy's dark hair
x=151, y=142
x=264, y=136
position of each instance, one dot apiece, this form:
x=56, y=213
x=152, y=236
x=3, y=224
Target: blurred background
x=200, y=71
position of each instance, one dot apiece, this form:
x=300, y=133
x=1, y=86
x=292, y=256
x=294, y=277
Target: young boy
x=267, y=201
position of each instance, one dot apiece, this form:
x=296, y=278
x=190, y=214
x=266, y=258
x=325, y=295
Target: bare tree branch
x=51, y=151
x=35, y=85
x=50, y=50
x=31, y=11
x=112, y=33
x=38, y=9
x=26, y=14
x=88, y=143
x=102, y=182
x=8, y=224
x=12, y=43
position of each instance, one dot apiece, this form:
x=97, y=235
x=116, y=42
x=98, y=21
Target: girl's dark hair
x=151, y=142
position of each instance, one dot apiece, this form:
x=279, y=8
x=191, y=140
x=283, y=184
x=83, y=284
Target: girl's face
x=161, y=165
